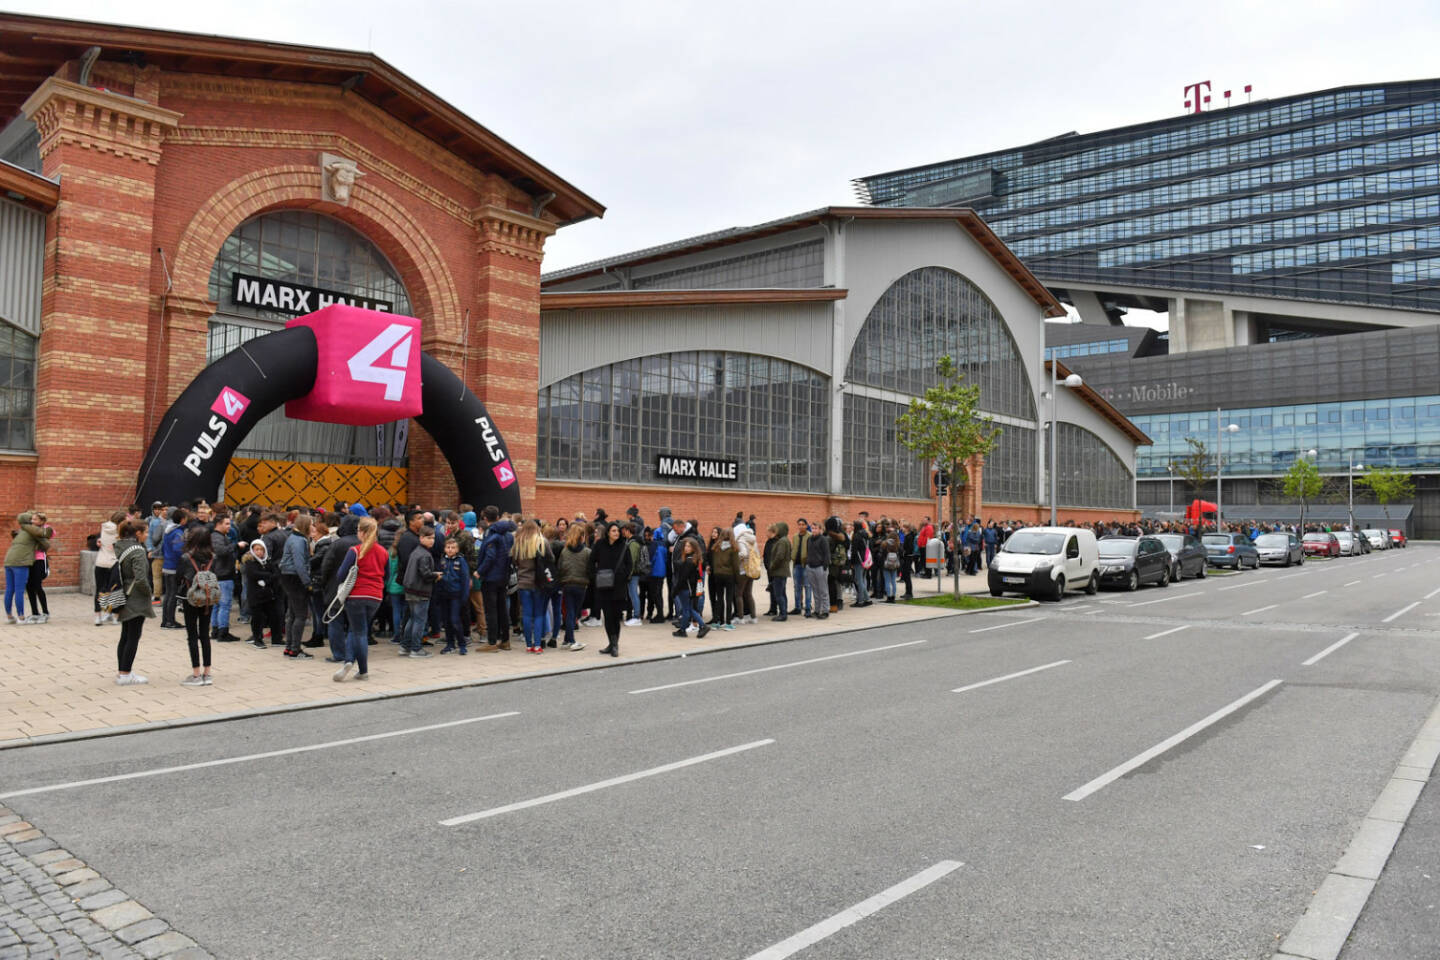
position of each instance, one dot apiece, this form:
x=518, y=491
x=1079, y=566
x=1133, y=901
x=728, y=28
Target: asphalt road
x=1082, y=823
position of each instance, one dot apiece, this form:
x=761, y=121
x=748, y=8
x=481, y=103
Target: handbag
x=604, y=579
x=342, y=592
x=866, y=562
x=111, y=599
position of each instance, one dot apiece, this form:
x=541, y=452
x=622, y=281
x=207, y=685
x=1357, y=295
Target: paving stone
x=49, y=924
x=18, y=836
x=191, y=953
x=50, y=856
x=63, y=866
x=166, y=943
x=87, y=889
x=13, y=953
x=8, y=939
x=143, y=930
x=74, y=876
x=9, y=818
x=32, y=847
x=105, y=898
x=14, y=827
x=121, y=915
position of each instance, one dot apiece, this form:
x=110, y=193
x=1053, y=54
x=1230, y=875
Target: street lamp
x=1220, y=466
x=1072, y=381
x=1170, y=469
x=1350, y=459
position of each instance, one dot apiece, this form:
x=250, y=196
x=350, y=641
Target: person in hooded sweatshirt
x=659, y=548
x=262, y=586
x=494, y=566
x=573, y=571
x=777, y=567
x=610, y=553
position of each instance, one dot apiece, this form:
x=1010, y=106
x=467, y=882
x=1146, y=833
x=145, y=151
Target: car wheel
x=1202, y=572
x=1165, y=577
x=1287, y=560
x=1177, y=572
x=1059, y=592
x=1134, y=583
x=1092, y=586
x=996, y=593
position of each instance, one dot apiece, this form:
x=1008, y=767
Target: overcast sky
x=684, y=117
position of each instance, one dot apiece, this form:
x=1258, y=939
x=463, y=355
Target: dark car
x=1187, y=555
x=1281, y=548
x=1230, y=550
x=1130, y=561
x=1321, y=545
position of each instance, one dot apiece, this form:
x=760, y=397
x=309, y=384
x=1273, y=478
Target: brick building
x=143, y=167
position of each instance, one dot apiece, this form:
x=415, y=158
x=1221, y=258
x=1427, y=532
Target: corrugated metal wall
x=22, y=258
x=573, y=341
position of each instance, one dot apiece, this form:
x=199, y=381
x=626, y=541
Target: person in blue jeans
x=419, y=582
x=803, y=593
x=451, y=590
x=687, y=580
x=535, y=577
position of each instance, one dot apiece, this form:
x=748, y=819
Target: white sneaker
x=193, y=681
x=632, y=622
x=692, y=628
x=43, y=618
x=130, y=680
x=343, y=672
x=99, y=619
x=577, y=645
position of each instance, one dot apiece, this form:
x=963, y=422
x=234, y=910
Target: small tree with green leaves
x=1389, y=485
x=1194, y=467
x=945, y=428
x=1302, y=482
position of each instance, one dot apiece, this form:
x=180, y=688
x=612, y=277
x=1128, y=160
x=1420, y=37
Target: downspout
x=87, y=61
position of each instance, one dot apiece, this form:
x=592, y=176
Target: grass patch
x=966, y=602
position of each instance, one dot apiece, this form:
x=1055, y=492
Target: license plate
x=1014, y=579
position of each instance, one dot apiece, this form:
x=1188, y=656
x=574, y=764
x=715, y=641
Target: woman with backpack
x=199, y=590
x=609, y=569
x=535, y=578
x=889, y=555
x=133, y=573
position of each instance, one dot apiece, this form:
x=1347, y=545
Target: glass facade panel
x=611, y=423
x=1088, y=473
x=17, y=389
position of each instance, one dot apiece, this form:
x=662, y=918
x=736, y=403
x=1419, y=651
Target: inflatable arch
x=316, y=369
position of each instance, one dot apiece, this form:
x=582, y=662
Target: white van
x=1044, y=562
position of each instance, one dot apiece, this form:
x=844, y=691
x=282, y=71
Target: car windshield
x=1341, y=536
x=1272, y=540
x=1217, y=539
x=1033, y=541
x=1117, y=548
x=1373, y=533
x=1172, y=541
x=1317, y=537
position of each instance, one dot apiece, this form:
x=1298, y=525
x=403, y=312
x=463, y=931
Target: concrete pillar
x=1244, y=326
x=1178, y=340
x=1091, y=310
x=835, y=276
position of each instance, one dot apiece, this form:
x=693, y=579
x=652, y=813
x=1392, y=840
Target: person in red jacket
x=370, y=561
x=927, y=533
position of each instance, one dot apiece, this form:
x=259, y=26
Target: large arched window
x=315, y=251
x=1088, y=472
x=934, y=312
x=611, y=423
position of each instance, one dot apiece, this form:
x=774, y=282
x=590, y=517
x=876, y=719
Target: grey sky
x=686, y=117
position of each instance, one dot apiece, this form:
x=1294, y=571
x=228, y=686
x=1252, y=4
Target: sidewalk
x=57, y=680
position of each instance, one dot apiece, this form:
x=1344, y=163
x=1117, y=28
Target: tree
x=1388, y=484
x=944, y=428
x=1302, y=482
x=1194, y=467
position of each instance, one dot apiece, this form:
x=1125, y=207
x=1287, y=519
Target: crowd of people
x=475, y=581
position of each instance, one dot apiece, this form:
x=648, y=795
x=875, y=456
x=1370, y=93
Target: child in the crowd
x=262, y=586
x=419, y=583
x=451, y=590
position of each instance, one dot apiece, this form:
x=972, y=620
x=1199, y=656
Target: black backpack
x=642, y=560
x=317, y=560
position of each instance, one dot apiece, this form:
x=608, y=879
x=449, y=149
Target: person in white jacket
x=105, y=572
x=744, y=536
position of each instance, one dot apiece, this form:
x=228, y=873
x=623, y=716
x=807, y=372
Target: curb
x=1336, y=907
x=79, y=735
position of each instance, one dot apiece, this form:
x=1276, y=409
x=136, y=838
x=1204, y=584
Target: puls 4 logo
x=229, y=405
x=504, y=472
x=395, y=340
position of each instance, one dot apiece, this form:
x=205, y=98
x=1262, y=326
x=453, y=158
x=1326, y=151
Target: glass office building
x=1330, y=196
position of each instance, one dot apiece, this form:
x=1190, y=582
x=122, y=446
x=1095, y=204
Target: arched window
x=312, y=250
x=611, y=423
x=1088, y=472
x=934, y=312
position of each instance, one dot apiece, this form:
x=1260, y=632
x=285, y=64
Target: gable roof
x=1103, y=406
x=33, y=48
x=967, y=219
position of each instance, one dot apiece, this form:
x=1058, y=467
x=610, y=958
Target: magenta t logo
x=1196, y=103
x=230, y=404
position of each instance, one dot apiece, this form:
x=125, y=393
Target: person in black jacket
x=262, y=586
x=610, y=554
x=329, y=582
x=859, y=573
x=224, y=550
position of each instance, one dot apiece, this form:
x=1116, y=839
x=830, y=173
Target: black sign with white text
x=696, y=468
x=294, y=298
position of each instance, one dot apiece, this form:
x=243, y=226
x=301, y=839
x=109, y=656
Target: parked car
x=1321, y=545
x=1397, y=539
x=1044, y=562
x=1187, y=555
x=1130, y=561
x=1230, y=550
x=1379, y=539
x=1350, y=543
x=1281, y=548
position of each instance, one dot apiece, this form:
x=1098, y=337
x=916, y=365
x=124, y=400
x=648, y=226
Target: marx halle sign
x=696, y=468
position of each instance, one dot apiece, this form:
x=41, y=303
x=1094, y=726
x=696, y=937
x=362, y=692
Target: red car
x=1397, y=538
x=1320, y=545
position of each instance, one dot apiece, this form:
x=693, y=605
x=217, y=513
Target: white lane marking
x=1288, y=576
x=1096, y=610
x=1377, y=576
x=1009, y=676
x=1146, y=603
x=1432, y=593
x=1166, y=633
x=852, y=915
x=1013, y=623
x=778, y=666
x=1329, y=650
x=1401, y=612
x=253, y=756
x=603, y=784
x=1312, y=596
x=1080, y=609
x=1352, y=583
x=1237, y=586
x=1105, y=779
x=1260, y=609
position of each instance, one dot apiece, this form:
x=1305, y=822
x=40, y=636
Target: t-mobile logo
x=396, y=340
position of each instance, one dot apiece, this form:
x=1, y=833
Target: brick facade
x=156, y=170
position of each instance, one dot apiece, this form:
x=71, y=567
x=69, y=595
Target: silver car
x=1379, y=539
x=1281, y=548
x=1349, y=543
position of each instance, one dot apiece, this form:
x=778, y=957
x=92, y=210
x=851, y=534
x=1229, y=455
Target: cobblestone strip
x=53, y=906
